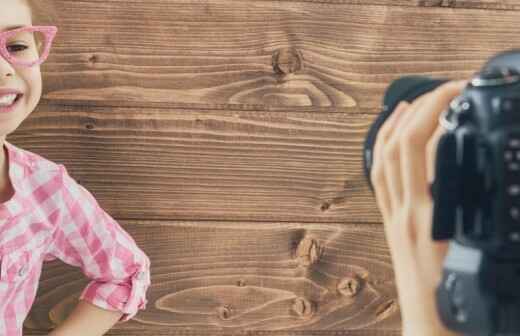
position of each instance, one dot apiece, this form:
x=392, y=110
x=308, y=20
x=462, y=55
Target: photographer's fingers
x=378, y=174
x=417, y=133
x=391, y=154
x=431, y=152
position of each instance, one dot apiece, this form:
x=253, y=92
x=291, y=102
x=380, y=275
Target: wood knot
x=241, y=283
x=89, y=126
x=93, y=59
x=386, y=309
x=308, y=251
x=224, y=312
x=325, y=206
x=437, y=3
x=349, y=286
x=448, y=3
x=287, y=60
x=303, y=307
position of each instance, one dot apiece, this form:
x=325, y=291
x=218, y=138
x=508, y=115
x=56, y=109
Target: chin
x=9, y=127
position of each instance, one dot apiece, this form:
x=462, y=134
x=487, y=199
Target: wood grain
x=224, y=55
x=247, y=276
x=261, y=124
x=207, y=165
x=507, y=5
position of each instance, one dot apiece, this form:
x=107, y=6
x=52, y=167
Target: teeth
x=7, y=99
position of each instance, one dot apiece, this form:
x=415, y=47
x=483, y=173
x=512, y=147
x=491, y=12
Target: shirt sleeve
x=86, y=236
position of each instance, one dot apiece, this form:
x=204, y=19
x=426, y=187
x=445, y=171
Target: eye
x=18, y=47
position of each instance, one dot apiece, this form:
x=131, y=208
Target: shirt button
x=22, y=270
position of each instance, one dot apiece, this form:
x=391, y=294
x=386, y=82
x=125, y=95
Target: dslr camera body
x=476, y=194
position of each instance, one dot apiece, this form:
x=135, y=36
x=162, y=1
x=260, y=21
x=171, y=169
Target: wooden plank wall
x=225, y=137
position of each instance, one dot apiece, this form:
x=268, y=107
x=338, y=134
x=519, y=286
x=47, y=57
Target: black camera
x=476, y=194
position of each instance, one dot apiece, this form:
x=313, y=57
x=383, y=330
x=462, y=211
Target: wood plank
x=308, y=56
x=210, y=165
x=231, y=277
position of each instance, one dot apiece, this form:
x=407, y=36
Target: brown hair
x=42, y=12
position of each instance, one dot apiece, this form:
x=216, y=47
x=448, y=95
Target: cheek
x=34, y=86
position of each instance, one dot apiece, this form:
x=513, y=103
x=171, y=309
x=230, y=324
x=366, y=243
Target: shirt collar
x=18, y=166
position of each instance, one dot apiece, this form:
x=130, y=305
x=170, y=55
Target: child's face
x=26, y=80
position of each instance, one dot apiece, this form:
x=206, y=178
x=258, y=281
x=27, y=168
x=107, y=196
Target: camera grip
x=446, y=184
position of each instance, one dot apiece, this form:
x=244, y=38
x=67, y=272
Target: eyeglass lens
x=26, y=46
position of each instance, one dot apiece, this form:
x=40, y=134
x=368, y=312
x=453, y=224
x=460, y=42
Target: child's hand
x=404, y=154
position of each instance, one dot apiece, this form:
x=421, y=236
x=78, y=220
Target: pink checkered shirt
x=51, y=216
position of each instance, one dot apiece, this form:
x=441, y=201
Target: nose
x=6, y=69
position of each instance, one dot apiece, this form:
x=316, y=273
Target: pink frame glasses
x=48, y=31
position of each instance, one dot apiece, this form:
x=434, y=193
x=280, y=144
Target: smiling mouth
x=18, y=96
x=15, y=101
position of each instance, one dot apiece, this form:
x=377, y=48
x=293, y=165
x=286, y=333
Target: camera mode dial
x=495, y=76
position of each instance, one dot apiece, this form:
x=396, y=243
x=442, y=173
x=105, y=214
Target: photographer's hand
x=403, y=167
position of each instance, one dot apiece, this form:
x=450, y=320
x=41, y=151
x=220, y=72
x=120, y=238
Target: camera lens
x=405, y=88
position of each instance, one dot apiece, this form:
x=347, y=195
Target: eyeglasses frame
x=50, y=33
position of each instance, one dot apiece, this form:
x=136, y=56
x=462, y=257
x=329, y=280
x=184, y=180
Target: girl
x=45, y=214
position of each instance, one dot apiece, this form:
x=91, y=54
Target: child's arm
x=79, y=322
x=86, y=236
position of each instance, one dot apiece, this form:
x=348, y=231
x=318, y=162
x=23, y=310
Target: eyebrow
x=14, y=27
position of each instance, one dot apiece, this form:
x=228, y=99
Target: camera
x=476, y=194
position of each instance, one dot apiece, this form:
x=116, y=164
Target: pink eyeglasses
x=27, y=46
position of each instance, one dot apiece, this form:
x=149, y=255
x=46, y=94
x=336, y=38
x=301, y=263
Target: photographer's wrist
x=427, y=327
x=419, y=313
x=422, y=321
